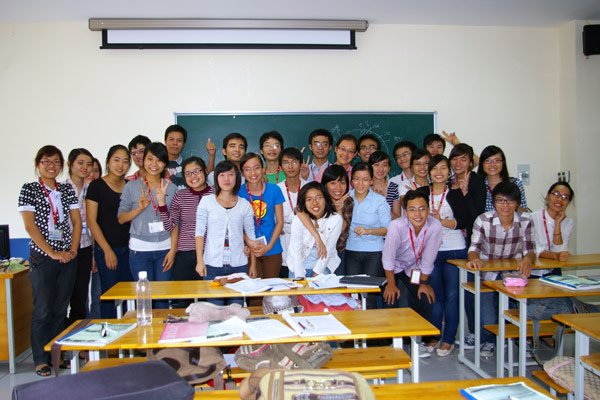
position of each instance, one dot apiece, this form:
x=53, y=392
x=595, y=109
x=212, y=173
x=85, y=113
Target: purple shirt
x=398, y=254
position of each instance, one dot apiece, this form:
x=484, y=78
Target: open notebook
x=316, y=325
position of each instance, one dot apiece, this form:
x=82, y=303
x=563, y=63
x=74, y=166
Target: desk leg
x=414, y=355
x=582, y=348
x=502, y=306
x=10, y=326
x=74, y=361
x=462, y=279
x=94, y=355
x=363, y=301
x=522, y=337
x=477, y=318
x=119, y=307
x=397, y=343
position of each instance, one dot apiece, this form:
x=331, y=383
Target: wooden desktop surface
x=536, y=289
x=363, y=324
x=203, y=290
x=588, y=324
x=508, y=264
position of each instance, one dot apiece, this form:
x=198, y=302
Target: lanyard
x=421, y=247
x=276, y=175
x=257, y=212
x=546, y=229
x=53, y=210
x=290, y=197
x=441, y=199
x=154, y=205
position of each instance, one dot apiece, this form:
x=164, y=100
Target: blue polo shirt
x=373, y=212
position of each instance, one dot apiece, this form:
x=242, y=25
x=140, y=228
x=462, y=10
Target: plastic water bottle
x=144, y=299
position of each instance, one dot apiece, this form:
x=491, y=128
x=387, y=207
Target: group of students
x=274, y=215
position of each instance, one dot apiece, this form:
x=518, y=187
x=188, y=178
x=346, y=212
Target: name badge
x=155, y=227
x=84, y=229
x=56, y=234
x=262, y=239
x=415, y=276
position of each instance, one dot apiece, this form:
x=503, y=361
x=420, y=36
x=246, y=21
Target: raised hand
x=144, y=201
x=161, y=192
x=305, y=168
x=450, y=138
x=211, y=149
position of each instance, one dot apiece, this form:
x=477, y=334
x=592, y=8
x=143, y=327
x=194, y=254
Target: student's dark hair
x=270, y=135
x=378, y=156
x=320, y=132
x=139, y=139
x=192, y=160
x=291, y=152
x=418, y=154
x=488, y=152
x=433, y=137
x=335, y=172
x=159, y=151
x=49, y=151
x=96, y=161
x=248, y=156
x=226, y=166
x=565, y=184
x=435, y=160
x=329, y=207
x=415, y=194
x=347, y=136
x=372, y=137
x=462, y=149
x=113, y=149
x=404, y=143
x=176, y=128
x=362, y=166
x=234, y=135
x=507, y=189
x=73, y=154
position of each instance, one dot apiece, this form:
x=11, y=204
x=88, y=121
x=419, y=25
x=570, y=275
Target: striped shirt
x=489, y=204
x=392, y=193
x=183, y=214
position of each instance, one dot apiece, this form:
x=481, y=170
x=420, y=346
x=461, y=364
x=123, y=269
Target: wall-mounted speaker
x=591, y=40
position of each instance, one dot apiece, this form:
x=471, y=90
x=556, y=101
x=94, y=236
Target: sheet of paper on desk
x=509, y=391
x=266, y=329
x=249, y=286
x=176, y=332
x=325, y=281
x=316, y=325
x=97, y=335
x=278, y=284
x=233, y=327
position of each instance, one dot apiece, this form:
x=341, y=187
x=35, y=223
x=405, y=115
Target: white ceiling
x=438, y=12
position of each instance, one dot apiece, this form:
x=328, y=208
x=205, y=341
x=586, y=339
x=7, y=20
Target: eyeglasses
x=562, y=196
x=368, y=147
x=249, y=170
x=271, y=146
x=320, y=144
x=413, y=210
x=293, y=163
x=138, y=152
x=345, y=150
x=45, y=162
x=194, y=172
x=503, y=201
x=492, y=161
x=406, y=154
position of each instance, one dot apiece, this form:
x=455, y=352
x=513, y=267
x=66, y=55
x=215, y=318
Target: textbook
x=97, y=334
x=316, y=325
x=250, y=286
x=176, y=332
x=572, y=282
x=508, y=391
x=267, y=328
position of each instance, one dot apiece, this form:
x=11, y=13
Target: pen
x=301, y=326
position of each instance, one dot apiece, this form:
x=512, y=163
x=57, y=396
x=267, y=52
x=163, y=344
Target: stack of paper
x=250, y=286
x=176, y=332
x=316, y=325
x=266, y=329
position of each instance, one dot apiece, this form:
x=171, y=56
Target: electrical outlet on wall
x=524, y=173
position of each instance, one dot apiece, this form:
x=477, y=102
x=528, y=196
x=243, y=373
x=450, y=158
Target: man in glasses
x=501, y=233
x=367, y=145
x=136, y=149
x=319, y=143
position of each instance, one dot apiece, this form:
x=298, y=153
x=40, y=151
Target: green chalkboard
x=295, y=128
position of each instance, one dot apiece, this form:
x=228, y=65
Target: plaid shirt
x=492, y=241
x=489, y=204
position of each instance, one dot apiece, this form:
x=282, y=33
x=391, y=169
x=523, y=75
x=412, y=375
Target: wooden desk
x=534, y=290
x=498, y=265
x=586, y=326
x=393, y=323
x=424, y=390
x=202, y=290
x=16, y=306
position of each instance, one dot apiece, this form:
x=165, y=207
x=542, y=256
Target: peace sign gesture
x=305, y=168
x=143, y=201
x=161, y=192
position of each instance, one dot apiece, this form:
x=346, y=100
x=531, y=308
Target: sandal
x=43, y=370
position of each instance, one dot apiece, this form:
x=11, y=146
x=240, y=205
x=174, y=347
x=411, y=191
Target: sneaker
x=425, y=350
x=444, y=352
x=469, y=342
x=487, y=350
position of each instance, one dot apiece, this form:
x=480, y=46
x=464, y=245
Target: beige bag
x=323, y=384
x=196, y=364
x=562, y=371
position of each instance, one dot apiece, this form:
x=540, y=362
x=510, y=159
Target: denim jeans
x=212, y=272
x=109, y=277
x=444, y=281
x=409, y=297
x=152, y=263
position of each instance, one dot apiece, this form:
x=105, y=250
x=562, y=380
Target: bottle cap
x=143, y=275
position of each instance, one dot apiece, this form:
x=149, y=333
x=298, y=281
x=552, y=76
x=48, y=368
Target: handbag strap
x=285, y=350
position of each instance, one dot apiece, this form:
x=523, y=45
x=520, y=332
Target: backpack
x=284, y=355
x=543, y=309
x=327, y=384
x=195, y=364
x=562, y=371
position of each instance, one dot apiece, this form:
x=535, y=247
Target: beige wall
x=492, y=85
